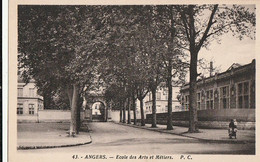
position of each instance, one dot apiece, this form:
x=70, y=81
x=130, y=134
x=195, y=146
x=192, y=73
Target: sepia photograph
x=123, y=82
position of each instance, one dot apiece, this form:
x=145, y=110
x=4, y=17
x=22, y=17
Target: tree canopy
x=132, y=49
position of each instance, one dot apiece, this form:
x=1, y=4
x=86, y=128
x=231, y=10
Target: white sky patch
x=231, y=50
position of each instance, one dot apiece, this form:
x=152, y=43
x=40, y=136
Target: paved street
x=112, y=138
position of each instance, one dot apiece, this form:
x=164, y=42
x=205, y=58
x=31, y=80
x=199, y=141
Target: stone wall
x=219, y=118
x=48, y=116
x=114, y=115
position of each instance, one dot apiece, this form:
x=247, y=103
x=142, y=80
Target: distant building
x=232, y=89
x=96, y=108
x=162, y=100
x=28, y=101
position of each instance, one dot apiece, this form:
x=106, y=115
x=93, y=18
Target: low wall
x=114, y=115
x=216, y=118
x=27, y=118
x=48, y=116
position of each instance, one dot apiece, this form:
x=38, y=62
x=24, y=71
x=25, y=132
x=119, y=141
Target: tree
x=147, y=41
x=134, y=106
x=168, y=56
x=59, y=45
x=141, y=44
x=222, y=19
x=125, y=55
x=155, y=65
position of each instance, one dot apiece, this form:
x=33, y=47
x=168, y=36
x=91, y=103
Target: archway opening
x=98, y=111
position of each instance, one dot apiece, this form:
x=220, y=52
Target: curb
x=200, y=139
x=47, y=147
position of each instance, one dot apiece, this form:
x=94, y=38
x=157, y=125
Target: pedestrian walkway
x=210, y=135
x=48, y=135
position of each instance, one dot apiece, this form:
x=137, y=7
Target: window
x=240, y=86
x=20, y=108
x=166, y=108
x=31, y=92
x=158, y=107
x=246, y=85
x=224, y=97
x=198, y=101
x=20, y=92
x=243, y=95
x=182, y=102
x=158, y=96
x=209, y=99
x=31, y=109
x=186, y=102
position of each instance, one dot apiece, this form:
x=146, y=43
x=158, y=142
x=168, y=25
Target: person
x=232, y=128
x=231, y=124
x=235, y=125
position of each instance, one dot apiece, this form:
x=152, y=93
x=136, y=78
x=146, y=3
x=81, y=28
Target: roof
x=234, y=69
x=233, y=66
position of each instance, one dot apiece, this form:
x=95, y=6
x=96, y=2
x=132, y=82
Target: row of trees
x=132, y=49
x=144, y=57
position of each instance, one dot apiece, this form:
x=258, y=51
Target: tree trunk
x=193, y=122
x=121, y=109
x=79, y=104
x=128, y=109
x=134, y=109
x=154, y=108
x=70, y=95
x=142, y=111
x=169, y=85
x=124, y=112
x=46, y=101
x=73, y=123
x=106, y=113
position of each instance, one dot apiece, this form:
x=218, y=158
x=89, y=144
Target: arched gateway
x=89, y=110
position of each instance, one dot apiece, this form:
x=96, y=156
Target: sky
x=231, y=50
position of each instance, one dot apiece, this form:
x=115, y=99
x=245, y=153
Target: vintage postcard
x=133, y=81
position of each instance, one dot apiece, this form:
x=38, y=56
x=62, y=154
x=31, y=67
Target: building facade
x=162, y=100
x=224, y=96
x=28, y=101
x=232, y=89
